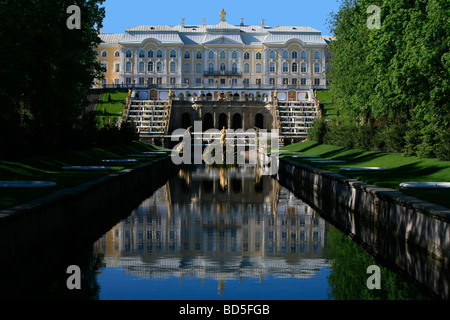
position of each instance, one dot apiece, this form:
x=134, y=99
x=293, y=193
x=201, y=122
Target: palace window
x=303, y=81
x=294, y=80
x=211, y=55
x=294, y=55
x=141, y=81
x=258, y=55
x=141, y=66
x=117, y=67
x=128, y=54
x=272, y=67
x=173, y=67
x=173, y=54
x=104, y=54
x=128, y=80
x=317, y=82
x=234, y=82
x=105, y=66
x=116, y=54
x=128, y=66
x=294, y=67
x=303, y=67
x=159, y=54
x=187, y=67
x=150, y=80
x=258, y=81
x=187, y=55
x=246, y=68
x=211, y=67
x=272, y=54
x=159, y=80
x=172, y=80
x=159, y=67
x=246, y=55
x=285, y=80
x=234, y=55
x=316, y=55
x=272, y=81
x=150, y=54
x=285, y=67
x=303, y=55
x=150, y=66
x=198, y=80
x=198, y=55
x=316, y=67
x=285, y=55
x=198, y=68
x=329, y=55
x=141, y=54
x=223, y=55
x=258, y=68
x=246, y=82
x=223, y=67
x=234, y=68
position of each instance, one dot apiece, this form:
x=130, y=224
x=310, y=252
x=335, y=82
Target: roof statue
x=223, y=14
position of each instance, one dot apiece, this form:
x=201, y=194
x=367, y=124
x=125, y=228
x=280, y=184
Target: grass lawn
x=400, y=168
x=330, y=110
x=49, y=168
x=111, y=105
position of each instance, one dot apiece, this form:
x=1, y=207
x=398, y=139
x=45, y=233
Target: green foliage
x=47, y=71
x=400, y=71
x=318, y=131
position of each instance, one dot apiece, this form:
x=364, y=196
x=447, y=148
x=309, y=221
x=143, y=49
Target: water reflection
x=219, y=224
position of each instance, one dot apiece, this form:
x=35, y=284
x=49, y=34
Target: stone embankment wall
x=78, y=209
x=407, y=234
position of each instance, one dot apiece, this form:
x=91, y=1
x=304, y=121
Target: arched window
x=285, y=67
x=159, y=54
x=223, y=67
x=237, y=121
x=223, y=55
x=258, y=68
x=294, y=55
x=234, y=68
x=234, y=55
x=159, y=67
x=259, y=121
x=272, y=67
x=141, y=54
x=246, y=55
x=294, y=67
x=185, y=120
x=285, y=55
x=316, y=67
x=116, y=53
x=272, y=54
x=198, y=67
x=141, y=66
x=187, y=55
x=198, y=55
x=104, y=54
x=303, y=67
x=150, y=66
x=223, y=121
x=208, y=121
x=150, y=54
x=128, y=54
x=173, y=54
x=303, y=55
x=105, y=66
x=128, y=66
x=211, y=55
x=187, y=67
x=258, y=55
x=173, y=66
x=211, y=67
x=246, y=67
x=316, y=55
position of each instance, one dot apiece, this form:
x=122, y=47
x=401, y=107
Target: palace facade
x=201, y=55
x=184, y=73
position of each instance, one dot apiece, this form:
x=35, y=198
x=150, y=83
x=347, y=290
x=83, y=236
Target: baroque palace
x=232, y=76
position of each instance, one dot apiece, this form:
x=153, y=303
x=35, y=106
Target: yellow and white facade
x=201, y=56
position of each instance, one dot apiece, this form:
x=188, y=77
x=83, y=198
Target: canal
x=220, y=233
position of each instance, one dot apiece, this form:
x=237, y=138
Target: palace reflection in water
x=219, y=224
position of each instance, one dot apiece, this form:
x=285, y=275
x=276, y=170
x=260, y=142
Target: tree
x=47, y=70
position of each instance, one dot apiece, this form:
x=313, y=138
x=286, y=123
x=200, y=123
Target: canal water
x=225, y=233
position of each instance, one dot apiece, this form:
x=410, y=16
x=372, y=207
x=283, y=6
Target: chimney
x=262, y=22
x=242, y=21
x=182, y=22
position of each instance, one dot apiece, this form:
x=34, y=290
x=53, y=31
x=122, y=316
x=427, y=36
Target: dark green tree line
x=396, y=76
x=47, y=71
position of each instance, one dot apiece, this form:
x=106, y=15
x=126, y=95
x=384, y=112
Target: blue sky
x=311, y=13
